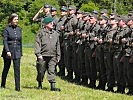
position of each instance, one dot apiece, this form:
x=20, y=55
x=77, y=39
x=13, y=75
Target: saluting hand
x=41, y=10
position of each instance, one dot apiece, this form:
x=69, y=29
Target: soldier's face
x=15, y=21
x=121, y=23
x=63, y=13
x=102, y=21
x=50, y=25
x=71, y=11
x=113, y=21
x=53, y=13
x=46, y=10
x=92, y=20
x=130, y=23
x=79, y=15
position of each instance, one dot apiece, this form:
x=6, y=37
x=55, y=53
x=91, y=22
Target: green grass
x=29, y=85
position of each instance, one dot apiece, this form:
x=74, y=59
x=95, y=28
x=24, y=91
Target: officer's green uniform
x=47, y=45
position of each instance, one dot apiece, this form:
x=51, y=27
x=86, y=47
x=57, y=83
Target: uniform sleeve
x=21, y=42
x=58, y=50
x=37, y=46
x=5, y=40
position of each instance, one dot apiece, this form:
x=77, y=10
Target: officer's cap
x=47, y=20
x=86, y=14
x=103, y=11
x=95, y=12
x=63, y=8
x=80, y=11
x=53, y=9
x=123, y=18
x=71, y=7
x=47, y=6
x=131, y=18
x=104, y=17
x=94, y=15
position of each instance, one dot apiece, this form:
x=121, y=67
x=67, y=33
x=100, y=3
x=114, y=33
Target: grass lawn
x=29, y=89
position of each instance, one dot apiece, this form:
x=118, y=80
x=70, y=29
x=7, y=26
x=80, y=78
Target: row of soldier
x=94, y=47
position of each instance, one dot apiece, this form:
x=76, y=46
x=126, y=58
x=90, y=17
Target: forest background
x=26, y=9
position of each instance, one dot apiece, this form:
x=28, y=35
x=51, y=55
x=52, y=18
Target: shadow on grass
x=28, y=87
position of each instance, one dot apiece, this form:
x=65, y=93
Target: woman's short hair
x=11, y=17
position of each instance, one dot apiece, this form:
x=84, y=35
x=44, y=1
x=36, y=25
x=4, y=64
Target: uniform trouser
x=68, y=58
x=49, y=65
x=61, y=63
x=16, y=66
x=74, y=61
x=108, y=60
x=117, y=65
x=101, y=66
x=81, y=63
x=130, y=74
x=93, y=70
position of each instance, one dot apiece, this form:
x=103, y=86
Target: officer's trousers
x=49, y=66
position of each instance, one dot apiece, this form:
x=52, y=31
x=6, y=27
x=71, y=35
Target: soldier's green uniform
x=77, y=39
x=47, y=45
x=128, y=60
x=70, y=28
x=108, y=59
x=104, y=28
x=55, y=18
x=117, y=56
x=60, y=24
x=90, y=48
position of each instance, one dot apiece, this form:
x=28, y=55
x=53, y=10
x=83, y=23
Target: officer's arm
x=5, y=40
x=37, y=46
x=58, y=50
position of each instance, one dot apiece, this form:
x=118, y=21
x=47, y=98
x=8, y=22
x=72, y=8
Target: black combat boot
x=39, y=85
x=130, y=92
x=3, y=83
x=120, y=90
x=110, y=89
x=53, y=88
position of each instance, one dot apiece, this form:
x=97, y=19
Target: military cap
x=124, y=18
x=80, y=11
x=47, y=20
x=63, y=8
x=131, y=18
x=47, y=6
x=103, y=11
x=113, y=13
x=86, y=14
x=95, y=12
x=94, y=15
x=104, y=17
x=71, y=7
x=53, y=9
x=115, y=18
x=130, y=13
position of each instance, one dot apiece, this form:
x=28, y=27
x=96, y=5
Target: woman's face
x=14, y=21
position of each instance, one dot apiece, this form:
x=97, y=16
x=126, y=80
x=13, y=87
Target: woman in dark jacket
x=12, y=50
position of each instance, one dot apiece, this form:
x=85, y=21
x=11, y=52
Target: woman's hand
x=9, y=54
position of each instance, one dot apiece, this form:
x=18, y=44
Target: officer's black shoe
x=53, y=88
x=3, y=86
x=17, y=89
x=110, y=89
x=39, y=85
